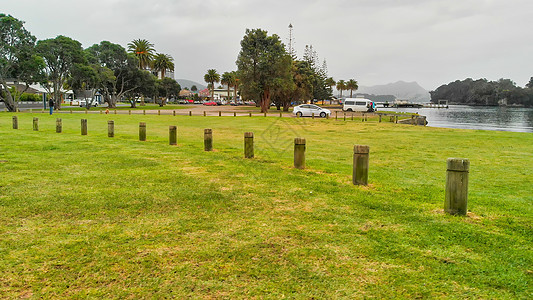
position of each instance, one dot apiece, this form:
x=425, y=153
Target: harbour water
x=517, y=119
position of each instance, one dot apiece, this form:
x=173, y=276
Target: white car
x=83, y=103
x=310, y=109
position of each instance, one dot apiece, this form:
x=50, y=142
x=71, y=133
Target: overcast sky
x=431, y=42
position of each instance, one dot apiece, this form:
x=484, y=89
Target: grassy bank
x=114, y=217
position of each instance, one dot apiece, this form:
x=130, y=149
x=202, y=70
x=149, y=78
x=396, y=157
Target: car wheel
x=349, y=109
x=322, y=114
x=299, y=114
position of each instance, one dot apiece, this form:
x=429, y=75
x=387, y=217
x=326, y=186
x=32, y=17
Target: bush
x=30, y=97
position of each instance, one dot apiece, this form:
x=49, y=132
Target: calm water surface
x=516, y=119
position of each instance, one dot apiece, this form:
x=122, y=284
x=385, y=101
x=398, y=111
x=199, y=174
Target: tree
x=169, y=88
x=352, y=86
x=263, y=65
x=60, y=55
x=194, y=88
x=341, y=86
x=144, y=51
x=211, y=77
x=529, y=85
x=163, y=62
x=126, y=77
x=229, y=79
x=17, y=58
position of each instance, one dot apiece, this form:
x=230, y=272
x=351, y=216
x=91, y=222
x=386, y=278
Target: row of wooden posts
x=456, y=175
x=364, y=117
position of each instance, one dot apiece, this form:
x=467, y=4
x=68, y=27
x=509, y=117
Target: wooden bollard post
x=250, y=115
x=379, y=118
x=115, y=111
x=265, y=115
x=312, y=115
x=208, y=140
x=360, y=164
x=35, y=124
x=71, y=111
x=425, y=121
x=456, y=186
x=362, y=117
x=101, y=112
x=396, y=120
x=190, y=113
x=15, y=122
x=299, y=153
x=234, y=113
x=205, y=113
x=110, y=128
x=129, y=111
x=335, y=115
x=219, y=113
x=352, y=116
x=280, y=114
x=59, y=125
x=83, y=126
x=158, y=112
x=144, y=111
x=412, y=120
x=142, y=131
x=344, y=116
x=174, y=113
x=248, y=144
x=173, y=135
x=86, y=111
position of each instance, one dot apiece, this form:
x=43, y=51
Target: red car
x=210, y=103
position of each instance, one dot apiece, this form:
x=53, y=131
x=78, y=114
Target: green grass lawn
x=92, y=216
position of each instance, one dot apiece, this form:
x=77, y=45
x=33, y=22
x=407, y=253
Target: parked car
x=210, y=103
x=92, y=102
x=310, y=109
x=358, y=104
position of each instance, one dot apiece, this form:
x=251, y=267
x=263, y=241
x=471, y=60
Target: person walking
x=51, y=104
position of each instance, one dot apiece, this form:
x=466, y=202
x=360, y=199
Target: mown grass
x=92, y=216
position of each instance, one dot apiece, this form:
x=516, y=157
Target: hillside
x=411, y=91
x=185, y=83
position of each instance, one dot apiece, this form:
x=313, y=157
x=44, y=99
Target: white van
x=358, y=104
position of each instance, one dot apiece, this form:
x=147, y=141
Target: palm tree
x=211, y=77
x=144, y=51
x=352, y=86
x=236, y=84
x=228, y=78
x=163, y=62
x=341, y=86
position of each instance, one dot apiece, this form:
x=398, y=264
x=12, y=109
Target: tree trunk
x=11, y=105
x=265, y=101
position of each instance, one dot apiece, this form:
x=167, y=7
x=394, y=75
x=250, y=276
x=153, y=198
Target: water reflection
x=516, y=119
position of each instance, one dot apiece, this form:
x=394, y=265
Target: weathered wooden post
x=158, y=112
x=174, y=113
x=86, y=111
x=115, y=111
x=250, y=115
x=204, y=113
x=110, y=128
x=173, y=135
x=208, y=139
x=412, y=119
x=59, y=125
x=379, y=118
x=70, y=110
x=265, y=115
x=142, y=131
x=248, y=144
x=35, y=124
x=312, y=115
x=83, y=126
x=144, y=111
x=219, y=113
x=425, y=121
x=362, y=117
x=234, y=113
x=280, y=114
x=336, y=115
x=15, y=122
x=456, y=186
x=396, y=121
x=352, y=116
x=360, y=164
x=101, y=112
x=344, y=116
x=299, y=153
x=190, y=113
x=129, y=111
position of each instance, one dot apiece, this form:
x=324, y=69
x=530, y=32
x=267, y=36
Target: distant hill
x=402, y=90
x=184, y=83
